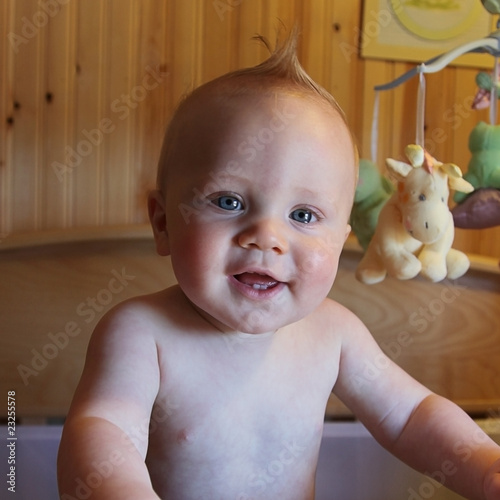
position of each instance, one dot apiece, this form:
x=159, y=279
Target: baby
x=191, y=392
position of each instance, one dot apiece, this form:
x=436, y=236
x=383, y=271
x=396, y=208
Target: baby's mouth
x=257, y=281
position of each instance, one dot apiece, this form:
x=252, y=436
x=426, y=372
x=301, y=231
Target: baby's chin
x=266, y=317
x=255, y=323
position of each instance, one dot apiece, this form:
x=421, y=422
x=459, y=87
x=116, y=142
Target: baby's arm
x=461, y=452
x=426, y=431
x=105, y=437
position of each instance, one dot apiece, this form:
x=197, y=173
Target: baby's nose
x=264, y=235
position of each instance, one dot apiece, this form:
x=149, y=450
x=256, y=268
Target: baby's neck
x=231, y=333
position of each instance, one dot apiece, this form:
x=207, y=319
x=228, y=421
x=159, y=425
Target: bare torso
x=237, y=416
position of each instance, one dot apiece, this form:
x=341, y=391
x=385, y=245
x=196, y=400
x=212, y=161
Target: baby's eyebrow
x=219, y=181
x=307, y=192
x=314, y=196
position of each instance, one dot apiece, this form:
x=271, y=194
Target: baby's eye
x=227, y=202
x=303, y=215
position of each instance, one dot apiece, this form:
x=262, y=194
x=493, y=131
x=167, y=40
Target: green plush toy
x=372, y=191
x=481, y=209
x=484, y=166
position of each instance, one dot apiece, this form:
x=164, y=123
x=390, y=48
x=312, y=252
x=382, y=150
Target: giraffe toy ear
x=416, y=154
x=459, y=184
x=418, y=157
x=451, y=170
x=455, y=179
x=399, y=169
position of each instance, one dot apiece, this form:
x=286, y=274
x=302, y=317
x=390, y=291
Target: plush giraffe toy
x=415, y=230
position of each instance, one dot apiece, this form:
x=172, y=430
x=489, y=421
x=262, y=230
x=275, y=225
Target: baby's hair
x=281, y=72
x=283, y=68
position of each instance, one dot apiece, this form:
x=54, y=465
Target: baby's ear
x=347, y=232
x=158, y=219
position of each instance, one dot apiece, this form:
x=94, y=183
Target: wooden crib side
x=55, y=287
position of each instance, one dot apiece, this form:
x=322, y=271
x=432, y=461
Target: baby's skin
x=232, y=368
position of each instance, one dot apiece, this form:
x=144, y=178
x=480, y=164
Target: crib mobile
x=410, y=230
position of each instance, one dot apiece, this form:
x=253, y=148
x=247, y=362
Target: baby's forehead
x=216, y=110
x=209, y=117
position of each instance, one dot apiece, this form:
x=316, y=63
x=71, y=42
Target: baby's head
x=280, y=75
x=255, y=187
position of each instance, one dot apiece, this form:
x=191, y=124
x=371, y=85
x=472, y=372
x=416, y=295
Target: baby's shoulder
x=145, y=316
x=335, y=324
x=331, y=315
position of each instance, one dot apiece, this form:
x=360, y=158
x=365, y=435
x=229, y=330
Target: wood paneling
x=87, y=87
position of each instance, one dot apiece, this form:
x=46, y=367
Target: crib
x=57, y=285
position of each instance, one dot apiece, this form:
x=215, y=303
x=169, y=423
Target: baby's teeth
x=257, y=286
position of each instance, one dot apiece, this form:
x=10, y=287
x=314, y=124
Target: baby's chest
x=243, y=446
x=250, y=415
x=254, y=410
x=254, y=423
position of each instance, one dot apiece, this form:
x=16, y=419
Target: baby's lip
x=257, y=280
x=257, y=283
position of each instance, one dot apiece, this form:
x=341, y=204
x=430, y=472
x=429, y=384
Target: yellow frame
x=390, y=33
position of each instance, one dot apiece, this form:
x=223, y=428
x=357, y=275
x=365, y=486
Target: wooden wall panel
x=92, y=59
x=155, y=52
x=314, y=24
x=217, y=33
x=6, y=112
x=344, y=79
x=26, y=93
x=57, y=126
x=122, y=91
x=87, y=90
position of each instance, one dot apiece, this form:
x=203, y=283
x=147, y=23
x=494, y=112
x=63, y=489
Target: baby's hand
x=492, y=482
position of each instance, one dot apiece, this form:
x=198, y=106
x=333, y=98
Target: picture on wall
x=418, y=30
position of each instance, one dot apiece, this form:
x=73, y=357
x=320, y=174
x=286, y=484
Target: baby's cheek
x=189, y=257
x=319, y=264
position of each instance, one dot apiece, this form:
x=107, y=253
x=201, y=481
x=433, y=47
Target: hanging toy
x=492, y=6
x=372, y=191
x=487, y=84
x=415, y=228
x=481, y=209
